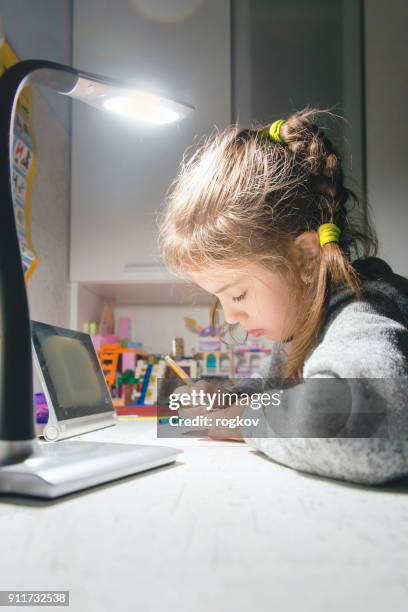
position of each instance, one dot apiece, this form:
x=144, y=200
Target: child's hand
x=223, y=425
x=213, y=408
x=203, y=398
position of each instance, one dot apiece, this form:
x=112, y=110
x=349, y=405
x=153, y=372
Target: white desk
x=222, y=529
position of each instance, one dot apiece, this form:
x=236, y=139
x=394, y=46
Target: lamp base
x=58, y=468
x=14, y=451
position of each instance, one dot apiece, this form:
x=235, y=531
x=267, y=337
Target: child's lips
x=256, y=332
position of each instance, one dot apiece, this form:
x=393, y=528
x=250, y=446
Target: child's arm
x=352, y=429
x=367, y=461
x=342, y=436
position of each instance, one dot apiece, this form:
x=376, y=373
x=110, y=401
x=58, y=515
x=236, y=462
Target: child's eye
x=240, y=297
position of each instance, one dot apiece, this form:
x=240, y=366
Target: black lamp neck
x=16, y=384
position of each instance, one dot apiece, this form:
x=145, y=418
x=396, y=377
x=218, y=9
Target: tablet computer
x=77, y=395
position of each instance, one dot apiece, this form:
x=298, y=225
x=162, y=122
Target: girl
x=261, y=218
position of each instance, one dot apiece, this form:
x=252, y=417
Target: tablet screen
x=71, y=371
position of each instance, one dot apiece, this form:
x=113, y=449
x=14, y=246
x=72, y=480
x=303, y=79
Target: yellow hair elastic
x=274, y=130
x=328, y=232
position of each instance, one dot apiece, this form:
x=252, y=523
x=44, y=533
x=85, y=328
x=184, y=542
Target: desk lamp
x=26, y=466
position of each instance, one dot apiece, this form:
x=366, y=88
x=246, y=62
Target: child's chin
x=275, y=337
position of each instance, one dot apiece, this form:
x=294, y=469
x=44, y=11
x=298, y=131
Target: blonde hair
x=241, y=197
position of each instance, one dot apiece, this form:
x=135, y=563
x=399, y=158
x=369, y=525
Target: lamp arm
x=16, y=384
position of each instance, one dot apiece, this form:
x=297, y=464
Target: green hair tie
x=272, y=132
x=328, y=232
x=275, y=129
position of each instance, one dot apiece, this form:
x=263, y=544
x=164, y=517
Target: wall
x=386, y=50
x=48, y=288
x=45, y=33
x=121, y=170
x=41, y=30
x=287, y=55
x=156, y=326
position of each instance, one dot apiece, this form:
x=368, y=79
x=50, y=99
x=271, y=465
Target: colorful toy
x=148, y=373
x=41, y=408
x=124, y=328
x=215, y=363
x=93, y=328
x=177, y=347
x=129, y=359
x=134, y=345
x=107, y=320
x=109, y=356
x=240, y=361
x=248, y=359
x=128, y=381
x=100, y=340
x=192, y=325
x=214, y=360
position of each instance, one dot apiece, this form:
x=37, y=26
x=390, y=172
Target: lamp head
x=132, y=103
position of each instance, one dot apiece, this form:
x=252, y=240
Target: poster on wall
x=24, y=166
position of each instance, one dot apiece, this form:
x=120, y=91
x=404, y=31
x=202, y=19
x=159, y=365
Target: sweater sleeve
x=317, y=429
x=336, y=423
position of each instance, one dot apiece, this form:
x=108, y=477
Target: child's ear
x=306, y=253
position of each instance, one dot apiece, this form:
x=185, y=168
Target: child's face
x=256, y=298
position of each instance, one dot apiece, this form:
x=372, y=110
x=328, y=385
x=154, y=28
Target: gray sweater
x=348, y=418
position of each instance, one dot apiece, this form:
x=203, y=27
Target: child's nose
x=233, y=316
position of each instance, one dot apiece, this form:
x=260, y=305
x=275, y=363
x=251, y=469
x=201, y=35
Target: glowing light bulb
x=142, y=107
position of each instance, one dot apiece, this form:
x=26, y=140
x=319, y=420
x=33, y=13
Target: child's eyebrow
x=226, y=287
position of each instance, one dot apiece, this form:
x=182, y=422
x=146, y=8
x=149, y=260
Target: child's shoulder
x=384, y=295
x=367, y=337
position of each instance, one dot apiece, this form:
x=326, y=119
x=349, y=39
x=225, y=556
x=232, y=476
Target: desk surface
x=224, y=528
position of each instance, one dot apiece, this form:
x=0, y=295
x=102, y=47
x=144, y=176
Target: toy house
x=248, y=358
